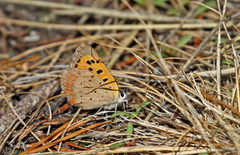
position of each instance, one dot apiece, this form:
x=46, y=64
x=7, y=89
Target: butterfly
x=88, y=83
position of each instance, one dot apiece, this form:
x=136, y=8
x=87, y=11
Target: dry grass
x=183, y=96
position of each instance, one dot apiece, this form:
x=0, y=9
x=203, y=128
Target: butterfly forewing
x=88, y=83
x=86, y=57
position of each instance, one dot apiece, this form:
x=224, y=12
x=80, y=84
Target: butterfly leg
x=125, y=105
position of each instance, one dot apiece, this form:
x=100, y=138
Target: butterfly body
x=88, y=83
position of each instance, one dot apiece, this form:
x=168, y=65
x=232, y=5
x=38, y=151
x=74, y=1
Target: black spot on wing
x=99, y=71
x=105, y=79
x=88, y=62
x=90, y=69
x=93, y=61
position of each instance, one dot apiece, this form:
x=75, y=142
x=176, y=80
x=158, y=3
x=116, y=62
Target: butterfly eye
x=92, y=61
x=99, y=71
x=88, y=62
x=89, y=68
